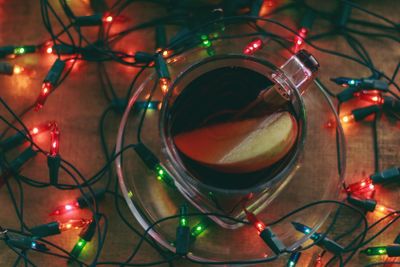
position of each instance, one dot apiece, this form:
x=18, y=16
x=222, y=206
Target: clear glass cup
x=299, y=179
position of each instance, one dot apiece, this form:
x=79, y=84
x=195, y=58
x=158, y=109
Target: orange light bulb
x=18, y=69
x=109, y=19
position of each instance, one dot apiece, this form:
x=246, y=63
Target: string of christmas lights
x=368, y=89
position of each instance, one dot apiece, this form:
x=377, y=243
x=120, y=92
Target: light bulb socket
x=6, y=68
x=161, y=36
x=53, y=163
x=308, y=19
x=6, y=50
x=344, y=14
x=361, y=113
x=149, y=159
x=48, y=229
x=348, y=93
x=393, y=250
x=388, y=175
x=366, y=204
x=13, y=141
x=183, y=239
x=55, y=72
x=64, y=49
x=273, y=242
x=92, y=20
x=26, y=155
x=391, y=104
x=143, y=57
x=83, y=200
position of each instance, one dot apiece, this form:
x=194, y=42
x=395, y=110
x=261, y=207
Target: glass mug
x=203, y=88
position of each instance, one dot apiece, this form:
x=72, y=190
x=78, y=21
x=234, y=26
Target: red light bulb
x=46, y=87
x=259, y=225
x=44, y=93
x=54, y=141
x=108, y=19
x=347, y=119
x=73, y=224
x=41, y=128
x=383, y=210
x=318, y=261
x=18, y=69
x=166, y=53
x=253, y=46
x=61, y=210
x=373, y=96
x=299, y=39
x=363, y=185
x=164, y=85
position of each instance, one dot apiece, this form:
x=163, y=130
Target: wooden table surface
x=79, y=102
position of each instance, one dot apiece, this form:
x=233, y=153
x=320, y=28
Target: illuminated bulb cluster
x=373, y=96
x=383, y=210
x=163, y=176
x=374, y=251
x=318, y=261
x=299, y=39
x=164, y=84
x=63, y=209
x=152, y=105
x=49, y=82
x=205, y=42
x=259, y=225
x=347, y=119
x=19, y=50
x=47, y=47
x=293, y=259
x=54, y=141
x=73, y=224
x=18, y=69
x=198, y=229
x=266, y=234
x=253, y=46
x=44, y=93
x=108, y=19
x=370, y=205
x=362, y=186
x=41, y=128
x=79, y=246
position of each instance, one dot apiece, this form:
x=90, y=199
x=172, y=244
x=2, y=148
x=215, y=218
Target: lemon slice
x=241, y=146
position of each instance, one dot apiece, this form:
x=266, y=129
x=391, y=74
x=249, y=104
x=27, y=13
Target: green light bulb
x=79, y=246
x=375, y=251
x=200, y=227
x=19, y=50
x=183, y=221
x=206, y=43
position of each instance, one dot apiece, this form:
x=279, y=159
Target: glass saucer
x=150, y=200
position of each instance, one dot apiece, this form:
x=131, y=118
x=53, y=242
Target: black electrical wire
x=118, y=57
